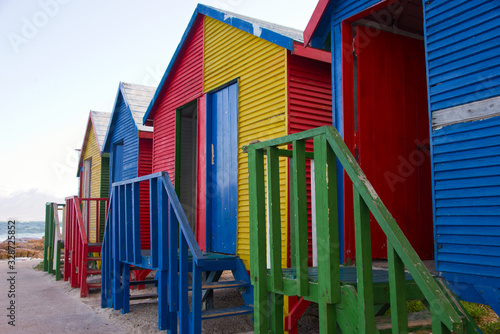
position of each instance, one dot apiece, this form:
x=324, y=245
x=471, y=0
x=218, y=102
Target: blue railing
x=173, y=252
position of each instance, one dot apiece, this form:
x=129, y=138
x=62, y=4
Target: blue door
x=222, y=176
x=117, y=163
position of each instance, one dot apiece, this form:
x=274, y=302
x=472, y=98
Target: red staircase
x=82, y=257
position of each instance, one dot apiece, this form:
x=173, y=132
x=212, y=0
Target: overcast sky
x=59, y=59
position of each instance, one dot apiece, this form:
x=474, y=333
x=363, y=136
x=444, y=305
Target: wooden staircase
x=352, y=299
x=186, y=277
x=81, y=256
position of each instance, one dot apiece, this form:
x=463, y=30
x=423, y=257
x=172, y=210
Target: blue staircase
x=174, y=253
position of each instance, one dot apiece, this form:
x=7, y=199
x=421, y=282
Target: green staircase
x=350, y=299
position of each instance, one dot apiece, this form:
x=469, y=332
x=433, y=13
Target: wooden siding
x=145, y=168
x=123, y=130
x=309, y=106
x=467, y=194
x=463, y=51
x=184, y=84
x=92, y=152
x=104, y=191
x=260, y=67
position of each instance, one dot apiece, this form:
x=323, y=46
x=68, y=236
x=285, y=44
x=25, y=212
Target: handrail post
x=153, y=216
x=136, y=222
x=327, y=230
x=399, y=313
x=300, y=216
x=363, y=264
x=274, y=214
x=258, y=238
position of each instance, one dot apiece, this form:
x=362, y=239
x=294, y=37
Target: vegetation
x=39, y=266
x=485, y=318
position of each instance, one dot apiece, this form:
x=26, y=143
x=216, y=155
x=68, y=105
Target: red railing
x=77, y=240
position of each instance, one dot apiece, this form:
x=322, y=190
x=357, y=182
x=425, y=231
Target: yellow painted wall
x=261, y=68
x=92, y=151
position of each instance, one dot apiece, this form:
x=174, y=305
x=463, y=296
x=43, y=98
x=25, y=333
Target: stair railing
x=172, y=246
x=328, y=147
x=77, y=239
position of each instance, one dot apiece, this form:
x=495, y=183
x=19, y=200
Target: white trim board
x=466, y=112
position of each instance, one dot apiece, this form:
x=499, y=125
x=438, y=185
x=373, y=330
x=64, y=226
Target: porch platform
x=348, y=275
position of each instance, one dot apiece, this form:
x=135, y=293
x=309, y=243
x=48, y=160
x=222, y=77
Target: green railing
x=326, y=289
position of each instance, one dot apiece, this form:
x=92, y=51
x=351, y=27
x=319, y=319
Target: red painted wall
x=202, y=173
x=185, y=83
x=309, y=106
x=145, y=168
x=393, y=119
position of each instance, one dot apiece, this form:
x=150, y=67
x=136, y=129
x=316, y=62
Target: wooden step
x=94, y=258
x=153, y=281
x=223, y=285
x=93, y=272
x=226, y=312
x=416, y=321
x=94, y=285
x=144, y=296
x=94, y=247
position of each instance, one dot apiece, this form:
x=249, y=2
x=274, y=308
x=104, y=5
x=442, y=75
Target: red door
x=392, y=133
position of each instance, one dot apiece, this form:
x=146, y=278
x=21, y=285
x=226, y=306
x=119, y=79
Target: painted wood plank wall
x=260, y=67
x=467, y=196
x=185, y=84
x=463, y=51
x=124, y=130
x=145, y=168
x=309, y=106
x=92, y=152
x=104, y=190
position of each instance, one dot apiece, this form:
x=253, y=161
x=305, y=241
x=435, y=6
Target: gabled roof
x=274, y=33
x=99, y=122
x=136, y=98
x=319, y=24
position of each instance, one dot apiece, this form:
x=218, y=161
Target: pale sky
x=59, y=59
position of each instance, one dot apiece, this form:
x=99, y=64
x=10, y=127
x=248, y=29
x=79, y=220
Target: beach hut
x=129, y=143
x=86, y=213
x=425, y=77
x=93, y=171
x=232, y=80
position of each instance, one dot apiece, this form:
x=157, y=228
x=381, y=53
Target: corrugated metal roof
x=138, y=98
x=292, y=33
x=100, y=120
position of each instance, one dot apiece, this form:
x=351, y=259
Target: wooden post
x=46, y=239
x=258, y=254
x=366, y=310
x=153, y=216
x=327, y=229
x=273, y=191
x=127, y=234
x=136, y=223
x=399, y=312
x=299, y=218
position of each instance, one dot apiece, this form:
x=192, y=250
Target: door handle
x=212, y=153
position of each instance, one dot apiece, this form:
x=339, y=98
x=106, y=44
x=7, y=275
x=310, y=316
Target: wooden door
x=392, y=136
x=223, y=169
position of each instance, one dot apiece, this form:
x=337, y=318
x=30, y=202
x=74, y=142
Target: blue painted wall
x=467, y=204
x=123, y=129
x=463, y=51
x=463, y=64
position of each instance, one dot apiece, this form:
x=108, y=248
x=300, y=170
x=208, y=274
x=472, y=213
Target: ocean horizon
x=24, y=229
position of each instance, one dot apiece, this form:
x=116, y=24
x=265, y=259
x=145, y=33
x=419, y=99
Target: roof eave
x=263, y=33
x=318, y=25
